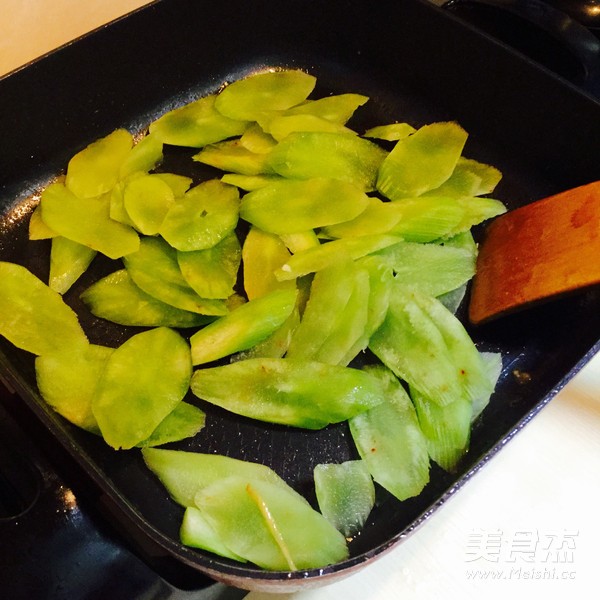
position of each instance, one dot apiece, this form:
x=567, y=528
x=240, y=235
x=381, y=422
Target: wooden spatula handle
x=538, y=251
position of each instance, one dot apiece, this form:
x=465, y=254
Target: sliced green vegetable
x=281, y=126
x=34, y=317
x=196, y=124
x=212, y=272
x=389, y=439
x=296, y=206
x=346, y=494
x=203, y=217
x=197, y=532
x=184, y=474
x=335, y=316
x=262, y=254
x=94, y=170
x=249, y=183
x=291, y=392
x=231, y=155
x=116, y=298
x=338, y=108
x=410, y=343
x=276, y=345
x=257, y=140
x=330, y=292
x=302, y=240
x=422, y=342
x=38, y=230
x=246, y=99
x=68, y=261
x=469, y=178
x=391, y=132
x=433, y=269
x=87, y=221
x=381, y=283
x=184, y=421
x=421, y=161
x=324, y=255
x=143, y=157
x=446, y=428
x=421, y=219
x=147, y=200
x=68, y=378
x=154, y=269
x=180, y=184
x=243, y=327
x=134, y=396
x=270, y=526
x=306, y=155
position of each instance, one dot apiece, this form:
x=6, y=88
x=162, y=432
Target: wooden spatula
x=538, y=251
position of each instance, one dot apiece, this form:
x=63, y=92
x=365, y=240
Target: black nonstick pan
x=417, y=63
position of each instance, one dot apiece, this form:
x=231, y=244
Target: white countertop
x=525, y=526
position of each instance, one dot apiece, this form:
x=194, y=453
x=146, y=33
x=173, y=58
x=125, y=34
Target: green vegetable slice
x=95, y=169
x=38, y=230
x=262, y=254
x=381, y=282
x=330, y=292
x=306, y=155
x=196, y=124
x=421, y=161
x=422, y=342
x=184, y=421
x=212, y=272
x=68, y=261
x=469, y=178
x=197, y=532
x=116, y=298
x=270, y=526
x=422, y=219
x=346, y=494
x=257, y=140
x=338, y=108
x=446, y=428
x=433, y=269
x=243, y=327
x=410, y=343
x=281, y=126
x=232, y=156
x=203, y=217
x=301, y=393
x=391, y=132
x=87, y=221
x=290, y=206
x=184, y=474
x=249, y=183
x=324, y=255
x=154, y=269
x=68, y=378
x=389, y=439
x=34, y=317
x=246, y=99
x=337, y=348
x=180, y=184
x=147, y=200
x=134, y=396
x=143, y=157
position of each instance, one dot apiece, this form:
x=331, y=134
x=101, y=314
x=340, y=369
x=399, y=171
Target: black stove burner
x=55, y=543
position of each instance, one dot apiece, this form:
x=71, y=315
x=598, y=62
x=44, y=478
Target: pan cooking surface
x=401, y=69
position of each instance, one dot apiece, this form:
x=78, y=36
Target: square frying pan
x=417, y=63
